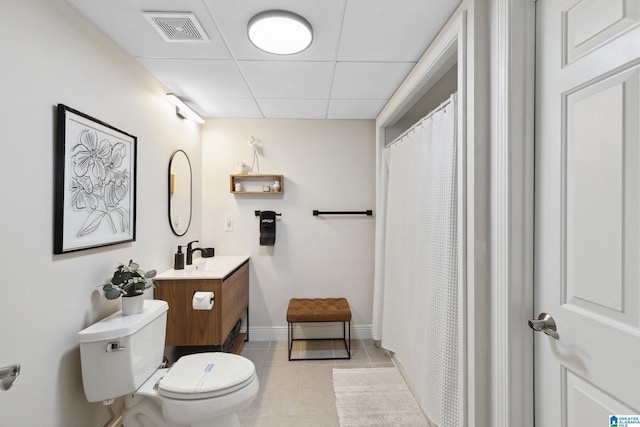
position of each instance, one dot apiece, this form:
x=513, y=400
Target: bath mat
x=375, y=397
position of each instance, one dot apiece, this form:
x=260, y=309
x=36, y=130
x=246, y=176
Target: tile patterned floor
x=300, y=393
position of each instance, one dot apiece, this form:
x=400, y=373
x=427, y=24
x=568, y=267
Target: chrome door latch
x=8, y=376
x=546, y=324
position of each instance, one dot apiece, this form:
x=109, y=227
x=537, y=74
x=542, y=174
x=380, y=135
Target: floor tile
x=318, y=421
x=280, y=376
x=271, y=422
x=378, y=355
x=316, y=400
x=315, y=374
x=300, y=393
x=275, y=402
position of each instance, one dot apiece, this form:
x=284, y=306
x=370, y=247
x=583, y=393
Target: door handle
x=9, y=375
x=546, y=324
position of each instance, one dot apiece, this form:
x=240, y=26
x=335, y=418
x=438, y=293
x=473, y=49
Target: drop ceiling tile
x=228, y=107
x=294, y=108
x=397, y=31
x=124, y=23
x=282, y=80
x=224, y=77
x=197, y=78
x=324, y=16
x=355, y=109
x=368, y=80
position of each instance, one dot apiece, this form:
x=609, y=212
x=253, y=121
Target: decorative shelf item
x=254, y=183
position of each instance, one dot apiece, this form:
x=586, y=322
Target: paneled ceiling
x=362, y=50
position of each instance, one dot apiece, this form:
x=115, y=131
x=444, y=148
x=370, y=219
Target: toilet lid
x=203, y=375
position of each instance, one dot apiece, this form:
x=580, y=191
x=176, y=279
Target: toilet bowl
x=120, y=356
x=205, y=389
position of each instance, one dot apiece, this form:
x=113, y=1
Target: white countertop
x=217, y=267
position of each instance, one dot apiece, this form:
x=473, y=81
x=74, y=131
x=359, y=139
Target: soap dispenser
x=178, y=262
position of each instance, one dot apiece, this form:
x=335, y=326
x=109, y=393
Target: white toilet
x=121, y=355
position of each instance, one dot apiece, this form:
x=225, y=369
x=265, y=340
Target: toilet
x=121, y=356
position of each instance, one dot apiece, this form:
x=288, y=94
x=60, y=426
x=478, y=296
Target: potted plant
x=130, y=282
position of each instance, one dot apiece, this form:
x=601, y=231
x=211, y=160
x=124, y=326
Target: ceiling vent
x=177, y=27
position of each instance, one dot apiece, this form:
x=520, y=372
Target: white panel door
x=587, y=218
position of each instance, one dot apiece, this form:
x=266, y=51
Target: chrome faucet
x=204, y=252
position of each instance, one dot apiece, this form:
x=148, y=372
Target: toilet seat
x=206, y=375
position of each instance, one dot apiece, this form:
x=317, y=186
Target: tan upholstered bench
x=303, y=310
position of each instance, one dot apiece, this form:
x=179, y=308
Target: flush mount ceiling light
x=280, y=32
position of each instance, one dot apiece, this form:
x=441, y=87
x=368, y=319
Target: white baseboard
x=308, y=330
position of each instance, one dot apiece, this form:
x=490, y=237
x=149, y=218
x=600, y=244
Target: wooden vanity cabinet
x=189, y=327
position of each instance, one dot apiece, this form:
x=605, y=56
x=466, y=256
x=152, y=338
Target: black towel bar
x=368, y=212
x=258, y=213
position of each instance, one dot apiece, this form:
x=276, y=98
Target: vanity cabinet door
x=235, y=299
x=186, y=326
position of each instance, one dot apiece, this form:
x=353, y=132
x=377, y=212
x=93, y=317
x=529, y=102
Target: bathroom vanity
x=228, y=278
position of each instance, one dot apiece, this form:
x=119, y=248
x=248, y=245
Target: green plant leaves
x=128, y=280
x=111, y=292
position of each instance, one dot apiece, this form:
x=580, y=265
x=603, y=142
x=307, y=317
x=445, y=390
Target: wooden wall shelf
x=255, y=183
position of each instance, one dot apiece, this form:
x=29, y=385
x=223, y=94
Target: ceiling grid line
x=253, y=96
x=335, y=56
x=362, y=50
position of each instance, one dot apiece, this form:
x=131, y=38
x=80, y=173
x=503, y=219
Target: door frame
x=463, y=41
x=499, y=357
x=512, y=204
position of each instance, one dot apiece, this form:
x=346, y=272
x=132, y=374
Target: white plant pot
x=132, y=305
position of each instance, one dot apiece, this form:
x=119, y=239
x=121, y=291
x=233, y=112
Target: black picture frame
x=95, y=183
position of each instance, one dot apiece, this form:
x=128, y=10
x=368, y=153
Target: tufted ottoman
x=303, y=310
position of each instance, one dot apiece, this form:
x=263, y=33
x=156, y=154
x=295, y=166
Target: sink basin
x=217, y=267
x=217, y=264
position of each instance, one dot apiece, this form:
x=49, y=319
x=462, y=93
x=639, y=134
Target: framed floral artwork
x=95, y=183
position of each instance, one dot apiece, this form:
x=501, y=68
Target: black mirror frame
x=190, y=193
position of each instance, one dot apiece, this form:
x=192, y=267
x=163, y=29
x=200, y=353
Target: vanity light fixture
x=183, y=109
x=280, y=32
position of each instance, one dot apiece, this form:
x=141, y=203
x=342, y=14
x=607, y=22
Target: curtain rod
x=419, y=122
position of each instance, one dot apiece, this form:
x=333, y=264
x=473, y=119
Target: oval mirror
x=179, y=193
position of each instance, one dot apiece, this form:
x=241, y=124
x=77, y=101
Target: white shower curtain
x=416, y=290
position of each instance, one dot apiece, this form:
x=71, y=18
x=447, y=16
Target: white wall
x=49, y=54
x=327, y=165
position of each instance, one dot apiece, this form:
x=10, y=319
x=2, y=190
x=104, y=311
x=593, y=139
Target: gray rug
x=375, y=397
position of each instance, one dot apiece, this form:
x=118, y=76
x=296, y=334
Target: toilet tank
x=119, y=353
